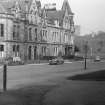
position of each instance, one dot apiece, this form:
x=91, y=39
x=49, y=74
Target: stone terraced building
x=29, y=31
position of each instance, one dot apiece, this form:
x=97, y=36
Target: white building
x=29, y=31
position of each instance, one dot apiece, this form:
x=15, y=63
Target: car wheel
x=58, y=63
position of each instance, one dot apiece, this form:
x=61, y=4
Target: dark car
x=56, y=61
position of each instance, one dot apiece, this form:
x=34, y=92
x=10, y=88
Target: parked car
x=97, y=59
x=17, y=60
x=14, y=61
x=56, y=61
x=9, y=60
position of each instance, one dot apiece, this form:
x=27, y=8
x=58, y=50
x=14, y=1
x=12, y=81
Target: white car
x=97, y=59
x=14, y=61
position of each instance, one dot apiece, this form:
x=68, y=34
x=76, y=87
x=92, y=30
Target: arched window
x=35, y=34
x=30, y=34
x=1, y=50
x=16, y=50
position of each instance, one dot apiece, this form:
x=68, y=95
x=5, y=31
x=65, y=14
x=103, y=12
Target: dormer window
x=56, y=23
x=44, y=22
x=16, y=10
x=31, y=11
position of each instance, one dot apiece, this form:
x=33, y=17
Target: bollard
x=4, y=77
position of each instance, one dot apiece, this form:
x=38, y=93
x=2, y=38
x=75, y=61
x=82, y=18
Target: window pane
x=18, y=29
x=35, y=34
x=2, y=30
x=14, y=47
x=14, y=32
x=17, y=48
x=1, y=47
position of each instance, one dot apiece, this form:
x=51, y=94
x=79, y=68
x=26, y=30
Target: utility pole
x=4, y=77
x=5, y=64
x=91, y=52
x=85, y=58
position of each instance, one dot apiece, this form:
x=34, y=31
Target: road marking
x=46, y=63
x=38, y=64
x=68, y=62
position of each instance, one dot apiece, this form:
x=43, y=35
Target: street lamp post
x=92, y=36
x=25, y=30
x=72, y=31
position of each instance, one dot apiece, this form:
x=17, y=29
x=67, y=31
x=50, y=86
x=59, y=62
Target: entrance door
x=35, y=53
x=29, y=53
x=66, y=51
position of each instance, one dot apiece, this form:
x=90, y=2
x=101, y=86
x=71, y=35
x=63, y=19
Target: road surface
x=30, y=74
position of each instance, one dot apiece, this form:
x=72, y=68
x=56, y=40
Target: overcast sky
x=90, y=14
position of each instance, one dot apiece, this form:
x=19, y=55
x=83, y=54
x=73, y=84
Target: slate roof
x=58, y=15
x=55, y=15
x=5, y=5
x=10, y=4
x=2, y=10
x=52, y=15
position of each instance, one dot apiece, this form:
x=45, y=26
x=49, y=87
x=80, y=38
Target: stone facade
x=32, y=32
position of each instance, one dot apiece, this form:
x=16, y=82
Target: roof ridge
x=66, y=5
x=2, y=9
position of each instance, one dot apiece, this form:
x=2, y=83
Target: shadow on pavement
x=93, y=76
